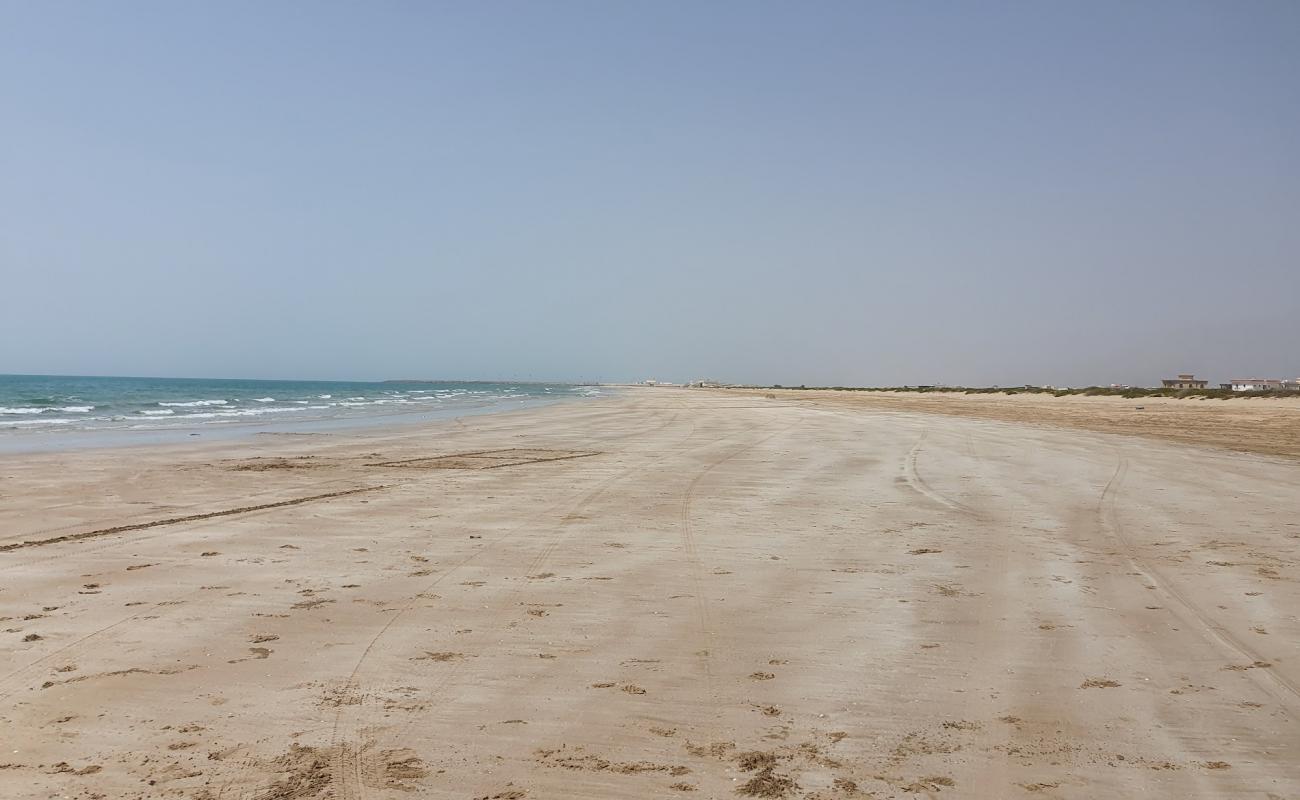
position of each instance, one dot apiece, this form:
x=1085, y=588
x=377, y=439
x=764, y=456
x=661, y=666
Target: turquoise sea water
x=50, y=404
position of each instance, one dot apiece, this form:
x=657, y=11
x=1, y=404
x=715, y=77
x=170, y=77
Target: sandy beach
x=663, y=593
x=1266, y=425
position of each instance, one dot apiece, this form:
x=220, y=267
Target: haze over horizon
x=835, y=193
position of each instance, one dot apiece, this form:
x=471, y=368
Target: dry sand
x=1269, y=425
x=667, y=593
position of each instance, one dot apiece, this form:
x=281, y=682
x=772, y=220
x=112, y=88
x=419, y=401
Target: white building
x=1256, y=385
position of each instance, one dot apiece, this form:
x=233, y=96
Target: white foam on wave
x=43, y=409
x=159, y=412
x=324, y=396
x=14, y=423
x=252, y=412
x=225, y=413
x=196, y=403
x=263, y=399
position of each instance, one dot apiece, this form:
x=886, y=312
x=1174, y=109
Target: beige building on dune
x=1187, y=381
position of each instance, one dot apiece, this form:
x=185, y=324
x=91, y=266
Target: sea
x=51, y=408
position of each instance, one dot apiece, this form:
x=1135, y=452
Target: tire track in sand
x=157, y=523
x=704, y=620
x=1278, y=686
x=912, y=477
x=155, y=607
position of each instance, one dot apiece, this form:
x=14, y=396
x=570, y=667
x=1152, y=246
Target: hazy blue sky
x=801, y=192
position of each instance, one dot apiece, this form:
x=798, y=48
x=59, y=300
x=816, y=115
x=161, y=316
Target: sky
x=820, y=193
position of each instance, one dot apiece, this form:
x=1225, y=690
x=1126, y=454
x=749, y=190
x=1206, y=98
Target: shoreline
x=60, y=412
x=16, y=442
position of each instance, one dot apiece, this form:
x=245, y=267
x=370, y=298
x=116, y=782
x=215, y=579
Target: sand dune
x=665, y=593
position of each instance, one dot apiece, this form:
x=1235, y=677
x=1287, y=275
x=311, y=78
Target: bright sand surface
x=1268, y=425
x=664, y=593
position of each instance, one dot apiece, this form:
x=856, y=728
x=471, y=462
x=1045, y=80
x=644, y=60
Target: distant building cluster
x=1262, y=385
x=698, y=383
x=1188, y=381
